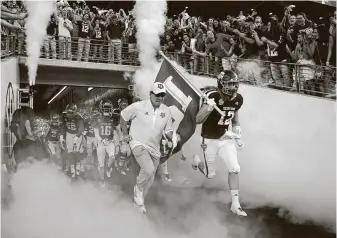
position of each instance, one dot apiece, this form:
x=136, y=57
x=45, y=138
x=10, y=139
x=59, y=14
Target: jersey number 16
x=105, y=130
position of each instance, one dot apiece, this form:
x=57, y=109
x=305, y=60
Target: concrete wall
x=9, y=74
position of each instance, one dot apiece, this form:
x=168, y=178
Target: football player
x=92, y=116
x=122, y=164
x=74, y=127
x=217, y=140
x=55, y=140
x=105, y=134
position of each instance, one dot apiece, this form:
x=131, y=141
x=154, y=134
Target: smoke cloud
x=48, y=204
x=150, y=21
x=39, y=13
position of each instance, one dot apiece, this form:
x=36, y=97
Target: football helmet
x=122, y=103
x=71, y=109
x=55, y=119
x=106, y=107
x=228, y=83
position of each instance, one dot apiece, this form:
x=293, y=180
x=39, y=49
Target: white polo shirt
x=147, y=124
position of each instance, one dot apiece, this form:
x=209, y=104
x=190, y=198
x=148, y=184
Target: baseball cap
x=158, y=88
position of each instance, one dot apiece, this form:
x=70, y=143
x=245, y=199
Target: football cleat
x=167, y=178
x=108, y=172
x=236, y=209
x=138, y=196
x=196, y=162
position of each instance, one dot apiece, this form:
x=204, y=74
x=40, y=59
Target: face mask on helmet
x=228, y=83
x=54, y=120
x=122, y=103
x=106, y=108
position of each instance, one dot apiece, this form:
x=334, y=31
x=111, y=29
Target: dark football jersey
x=54, y=133
x=89, y=128
x=84, y=29
x=216, y=125
x=106, y=128
x=72, y=124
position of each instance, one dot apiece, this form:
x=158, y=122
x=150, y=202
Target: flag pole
x=202, y=95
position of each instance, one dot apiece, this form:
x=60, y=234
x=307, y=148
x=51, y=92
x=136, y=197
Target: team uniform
x=105, y=133
x=214, y=128
x=91, y=142
x=55, y=139
x=216, y=136
x=74, y=127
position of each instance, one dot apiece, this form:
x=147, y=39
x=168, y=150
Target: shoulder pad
x=211, y=93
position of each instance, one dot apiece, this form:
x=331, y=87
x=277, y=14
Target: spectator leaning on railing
x=115, y=28
x=50, y=40
x=85, y=31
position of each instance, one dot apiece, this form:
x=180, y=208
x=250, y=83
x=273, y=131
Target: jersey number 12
x=222, y=121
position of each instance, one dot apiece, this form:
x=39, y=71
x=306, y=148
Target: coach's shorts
x=225, y=149
x=102, y=150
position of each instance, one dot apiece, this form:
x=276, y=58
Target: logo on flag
x=183, y=102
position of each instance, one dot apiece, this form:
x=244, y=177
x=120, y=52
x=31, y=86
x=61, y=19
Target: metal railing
x=8, y=45
x=304, y=77
x=87, y=50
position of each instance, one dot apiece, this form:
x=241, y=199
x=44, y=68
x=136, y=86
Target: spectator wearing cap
x=65, y=27
x=149, y=119
x=115, y=30
x=85, y=31
x=49, y=41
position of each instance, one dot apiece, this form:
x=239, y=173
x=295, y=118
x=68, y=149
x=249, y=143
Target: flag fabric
x=183, y=101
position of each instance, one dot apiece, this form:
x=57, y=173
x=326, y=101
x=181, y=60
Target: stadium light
x=57, y=94
x=90, y=88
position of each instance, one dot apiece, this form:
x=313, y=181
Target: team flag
x=183, y=101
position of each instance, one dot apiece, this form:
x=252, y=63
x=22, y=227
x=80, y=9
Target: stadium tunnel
x=57, y=86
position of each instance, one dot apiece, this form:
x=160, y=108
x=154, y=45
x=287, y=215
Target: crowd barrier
x=304, y=77
x=8, y=45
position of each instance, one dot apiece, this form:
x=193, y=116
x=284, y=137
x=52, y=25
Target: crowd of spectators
x=264, y=49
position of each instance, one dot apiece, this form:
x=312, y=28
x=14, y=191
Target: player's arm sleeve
x=240, y=103
x=203, y=112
